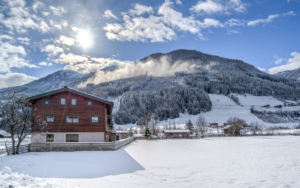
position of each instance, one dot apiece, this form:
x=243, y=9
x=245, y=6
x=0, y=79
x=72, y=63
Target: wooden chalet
x=278, y=106
x=72, y=116
x=266, y=106
x=235, y=130
x=213, y=124
x=177, y=133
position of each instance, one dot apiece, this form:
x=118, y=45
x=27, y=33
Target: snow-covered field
x=223, y=108
x=211, y=162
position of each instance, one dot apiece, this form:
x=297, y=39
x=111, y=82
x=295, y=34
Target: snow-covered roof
x=177, y=131
x=121, y=132
x=227, y=126
x=4, y=133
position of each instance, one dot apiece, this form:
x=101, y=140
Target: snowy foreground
x=211, y=162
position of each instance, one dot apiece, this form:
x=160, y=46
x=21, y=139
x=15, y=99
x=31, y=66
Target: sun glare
x=84, y=38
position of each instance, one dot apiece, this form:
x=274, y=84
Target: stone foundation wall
x=77, y=146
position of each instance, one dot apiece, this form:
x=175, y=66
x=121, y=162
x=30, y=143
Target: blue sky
x=40, y=37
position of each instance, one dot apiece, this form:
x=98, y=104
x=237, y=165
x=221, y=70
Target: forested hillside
x=167, y=96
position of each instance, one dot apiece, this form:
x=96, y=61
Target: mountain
x=292, y=74
x=53, y=81
x=204, y=60
x=167, y=96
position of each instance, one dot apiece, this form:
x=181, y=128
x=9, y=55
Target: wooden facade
x=78, y=105
x=177, y=133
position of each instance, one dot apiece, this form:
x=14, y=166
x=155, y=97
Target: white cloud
x=291, y=64
x=218, y=7
x=74, y=28
x=20, y=18
x=261, y=69
x=55, y=25
x=12, y=57
x=24, y=40
x=88, y=65
x=45, y=64
x=6, y=37
x=108, y=14
x=15, y=79
x=58, y=11
x=65, y=40
x=269, y=19
x=157, y=68
x=234, y=22
x=36, y=5
x=178, y=2
x=139, y=9
x=158, y=28
x=140, y=29
x=45, y=13
x=53, y=50
x=208, y=6
x=71, y=59
x=279, y=60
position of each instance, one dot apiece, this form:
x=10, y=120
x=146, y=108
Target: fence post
x=6, y=149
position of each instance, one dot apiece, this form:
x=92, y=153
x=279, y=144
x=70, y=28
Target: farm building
x=4, y=134
x=213, y=124
x=177, y=133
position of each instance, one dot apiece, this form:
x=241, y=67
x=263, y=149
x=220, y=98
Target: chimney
x=65, y=86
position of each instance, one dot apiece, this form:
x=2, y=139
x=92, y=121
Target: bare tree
x=144, y=120
x=153, y=123
x=20, y=119
x=201, y=125
x=236, y=125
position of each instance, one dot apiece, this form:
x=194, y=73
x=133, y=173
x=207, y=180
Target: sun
x=84, y=38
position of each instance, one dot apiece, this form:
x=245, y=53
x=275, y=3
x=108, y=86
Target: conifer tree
x=189, y=125
x=147, y=132
x=110, y=123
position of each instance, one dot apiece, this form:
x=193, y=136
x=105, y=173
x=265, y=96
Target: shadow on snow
x=81, y=164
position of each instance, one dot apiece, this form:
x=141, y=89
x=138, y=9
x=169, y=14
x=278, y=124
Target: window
x=94, y=119
x=63, y=101
x=49, y=137
x=46, y=102
x=73, y=101
x=89, y=103
x=72, y=138
x=72, y=118
x=49, y=118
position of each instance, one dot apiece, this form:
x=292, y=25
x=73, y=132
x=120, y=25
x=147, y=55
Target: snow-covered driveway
x=212, y=162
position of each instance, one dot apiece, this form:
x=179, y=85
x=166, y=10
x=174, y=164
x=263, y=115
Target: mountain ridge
x=291, y=74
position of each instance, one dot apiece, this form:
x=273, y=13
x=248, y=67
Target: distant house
x=235, y=130
x=4, y=134
x=266, y=106
x=291, y=104
x=278, y=106
x=177, y=133
x=72, y=116
x=213, y=124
